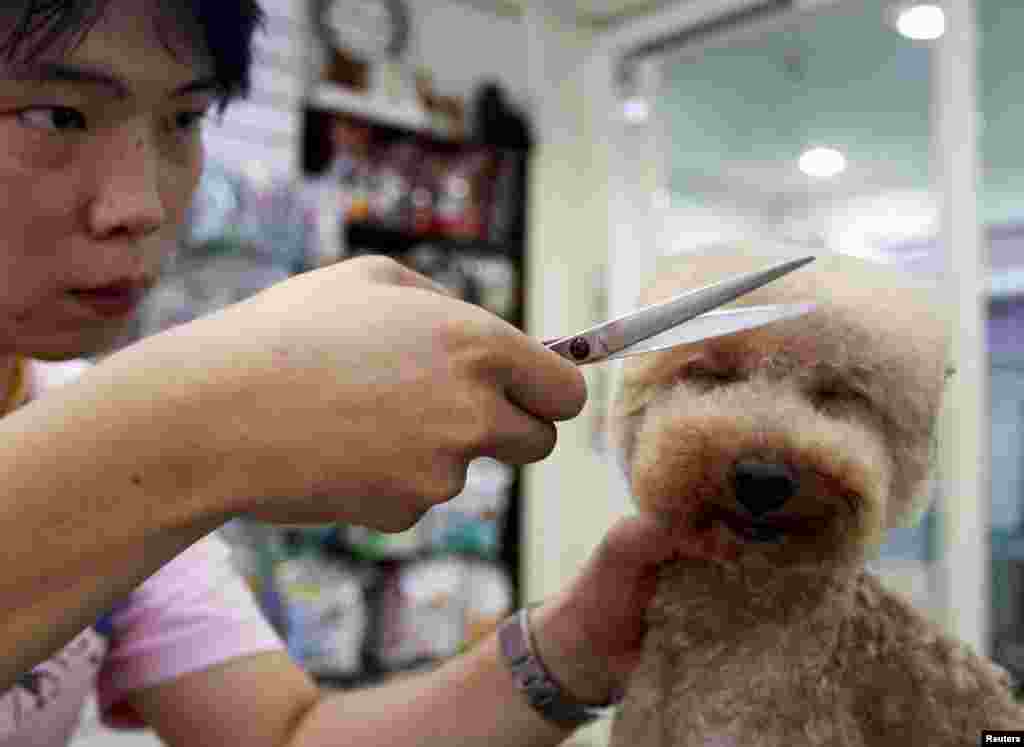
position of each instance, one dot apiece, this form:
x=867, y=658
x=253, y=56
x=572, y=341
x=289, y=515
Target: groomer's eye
x=190, y=121
x=52, y=119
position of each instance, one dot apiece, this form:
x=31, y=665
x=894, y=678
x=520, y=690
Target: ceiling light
x=636, y=110
x=921, y=22
x=822, y=163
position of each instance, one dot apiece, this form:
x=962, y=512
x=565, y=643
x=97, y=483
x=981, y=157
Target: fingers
x=541, y=382
x=636, y=544
x=519, y=438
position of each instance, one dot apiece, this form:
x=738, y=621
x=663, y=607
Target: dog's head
x=799, y=441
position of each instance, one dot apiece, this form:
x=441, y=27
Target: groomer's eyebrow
x=59, y=72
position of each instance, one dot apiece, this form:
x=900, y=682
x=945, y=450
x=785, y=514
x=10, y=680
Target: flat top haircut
x=220, y=30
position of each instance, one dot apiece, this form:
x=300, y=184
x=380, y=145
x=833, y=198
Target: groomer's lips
x=114, y=300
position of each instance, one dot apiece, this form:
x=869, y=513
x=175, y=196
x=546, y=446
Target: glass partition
x=1001, y=210
x=816, y=129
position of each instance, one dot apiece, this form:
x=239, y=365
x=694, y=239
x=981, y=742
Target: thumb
x=635, y=544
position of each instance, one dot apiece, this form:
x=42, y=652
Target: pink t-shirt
x=192, y=614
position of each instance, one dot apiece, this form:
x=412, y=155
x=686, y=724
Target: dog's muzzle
x=763, y=487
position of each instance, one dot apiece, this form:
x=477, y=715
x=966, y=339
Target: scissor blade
x=716, y=324
x=604, y=340
x=655, y=319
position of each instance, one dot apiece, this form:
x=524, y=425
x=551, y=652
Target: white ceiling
x=583, y=12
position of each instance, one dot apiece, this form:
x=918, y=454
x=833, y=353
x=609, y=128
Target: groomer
x=360, y=390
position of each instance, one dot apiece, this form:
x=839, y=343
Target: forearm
x=471, y=700
x=86, y=513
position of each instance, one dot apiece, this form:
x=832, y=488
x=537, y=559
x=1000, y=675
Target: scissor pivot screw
x=579, y=349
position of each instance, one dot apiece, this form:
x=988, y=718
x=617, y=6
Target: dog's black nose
x=763, y=486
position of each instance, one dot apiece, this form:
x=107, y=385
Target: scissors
x=683, y=319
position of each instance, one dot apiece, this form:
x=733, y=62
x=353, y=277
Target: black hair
x=221, y=29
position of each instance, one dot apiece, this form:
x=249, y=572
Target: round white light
x=636, y=110
x=922, y=22
x=822, y=163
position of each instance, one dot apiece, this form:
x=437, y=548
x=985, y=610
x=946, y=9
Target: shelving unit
x=395, y=242
x=453, y=244
x=374, y=108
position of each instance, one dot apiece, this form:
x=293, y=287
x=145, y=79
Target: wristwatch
x=537, y=684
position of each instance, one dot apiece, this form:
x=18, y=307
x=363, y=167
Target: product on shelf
x=489, y=600
x=391, y=186
x=216, y=206
x=241, y=235
x=256, y=549
x=442, y=267
x=200, y=284
x=495, y=280
x=370, y=544
x=426, y=183
x=327, y=202
x=421, y=612
x=325, y=613
x=463, y=192
x=275, y=223
x=471, y=522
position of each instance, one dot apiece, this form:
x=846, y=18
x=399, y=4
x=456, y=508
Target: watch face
x=369, y=28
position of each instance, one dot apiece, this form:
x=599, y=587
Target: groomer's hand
x=590, y=635
x=358, y=393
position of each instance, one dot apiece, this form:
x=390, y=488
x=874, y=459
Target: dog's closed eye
x=834, y=397
x=706, y=378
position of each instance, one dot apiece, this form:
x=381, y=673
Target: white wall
x=464, y=47
x=461, y=46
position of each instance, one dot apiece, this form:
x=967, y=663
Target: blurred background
x=541, y=159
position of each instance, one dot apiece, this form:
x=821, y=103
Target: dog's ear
x=625, y=412
x=622, y=439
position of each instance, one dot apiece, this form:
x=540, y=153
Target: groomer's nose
x=763, y=486
x=127, y=201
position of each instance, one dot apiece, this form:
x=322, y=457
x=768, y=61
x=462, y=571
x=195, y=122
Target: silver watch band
x=534, y=680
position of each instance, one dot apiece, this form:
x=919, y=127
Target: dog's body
x=787, y=452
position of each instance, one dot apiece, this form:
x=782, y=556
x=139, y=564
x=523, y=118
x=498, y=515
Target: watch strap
x=536, y=683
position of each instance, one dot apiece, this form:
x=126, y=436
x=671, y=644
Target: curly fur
x=791, y=641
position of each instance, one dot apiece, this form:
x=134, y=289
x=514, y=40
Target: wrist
x=155, y=440
x=567, y=653
x=539, y=685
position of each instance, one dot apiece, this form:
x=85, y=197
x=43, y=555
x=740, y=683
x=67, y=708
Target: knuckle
x=474, y=341
x=377, y=267
x=460, y=339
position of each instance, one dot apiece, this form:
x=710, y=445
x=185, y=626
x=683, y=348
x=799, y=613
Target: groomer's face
x=100, y=153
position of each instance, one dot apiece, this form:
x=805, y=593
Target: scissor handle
x=578, y=349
